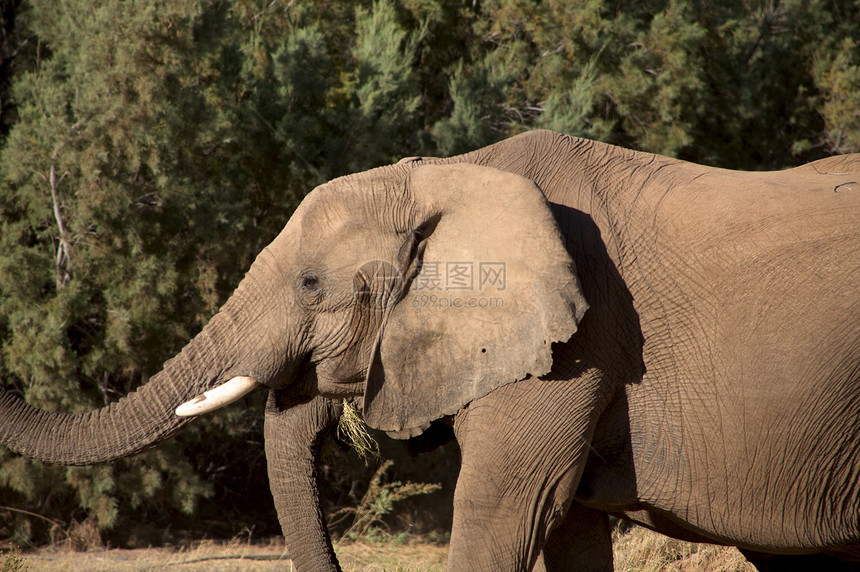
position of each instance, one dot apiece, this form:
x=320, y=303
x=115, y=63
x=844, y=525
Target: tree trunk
x=294, y=435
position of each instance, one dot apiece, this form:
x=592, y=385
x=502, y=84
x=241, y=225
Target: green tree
x=98, y=230
x=837, y=76
x=13, y=47
x=734, y=84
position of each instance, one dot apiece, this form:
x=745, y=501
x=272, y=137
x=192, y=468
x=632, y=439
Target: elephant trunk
x=134, y=423
x=293, y=436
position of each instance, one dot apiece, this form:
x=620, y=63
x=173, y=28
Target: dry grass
x=641, y=550
x=638, y=550
x=238, y=556
x=410, y=557
x=220, y=557
x=352, y=430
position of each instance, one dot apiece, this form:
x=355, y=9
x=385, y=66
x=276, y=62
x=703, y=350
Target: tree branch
x=63, y=249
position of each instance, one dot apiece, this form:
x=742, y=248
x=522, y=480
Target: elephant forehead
x=375, y=201
x=336, y=243
x=322, y=211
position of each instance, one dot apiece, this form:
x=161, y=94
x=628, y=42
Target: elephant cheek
x=344, y=371
x=274, y=351
x=342, y=378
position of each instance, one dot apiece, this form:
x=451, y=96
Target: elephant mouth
x=218, y=396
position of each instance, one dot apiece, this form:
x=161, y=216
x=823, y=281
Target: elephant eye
x=310, y=282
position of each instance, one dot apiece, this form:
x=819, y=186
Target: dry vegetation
x=635, y=550
x=238, y=556
x=641, y=550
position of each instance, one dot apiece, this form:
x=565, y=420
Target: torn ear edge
x=373, y=386
x=404, y=400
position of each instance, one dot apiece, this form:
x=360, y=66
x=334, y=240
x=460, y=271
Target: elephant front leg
x=583, y=541
x=523, y=449
x=293, y=435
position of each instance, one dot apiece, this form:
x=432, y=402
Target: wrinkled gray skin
x=673, y=344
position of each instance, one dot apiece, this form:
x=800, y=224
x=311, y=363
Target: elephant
x=608, y=332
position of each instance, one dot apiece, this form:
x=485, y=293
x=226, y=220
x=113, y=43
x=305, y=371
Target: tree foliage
x=149, y=150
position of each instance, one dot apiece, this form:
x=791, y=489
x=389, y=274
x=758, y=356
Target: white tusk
x=218, y=397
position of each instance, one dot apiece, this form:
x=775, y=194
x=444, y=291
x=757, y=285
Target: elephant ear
x=495, y=288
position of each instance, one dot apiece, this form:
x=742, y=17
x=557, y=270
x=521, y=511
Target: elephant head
x=414, y=288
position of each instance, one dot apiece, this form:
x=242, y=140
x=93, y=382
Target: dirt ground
x=636, y=550
x=235, y=556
